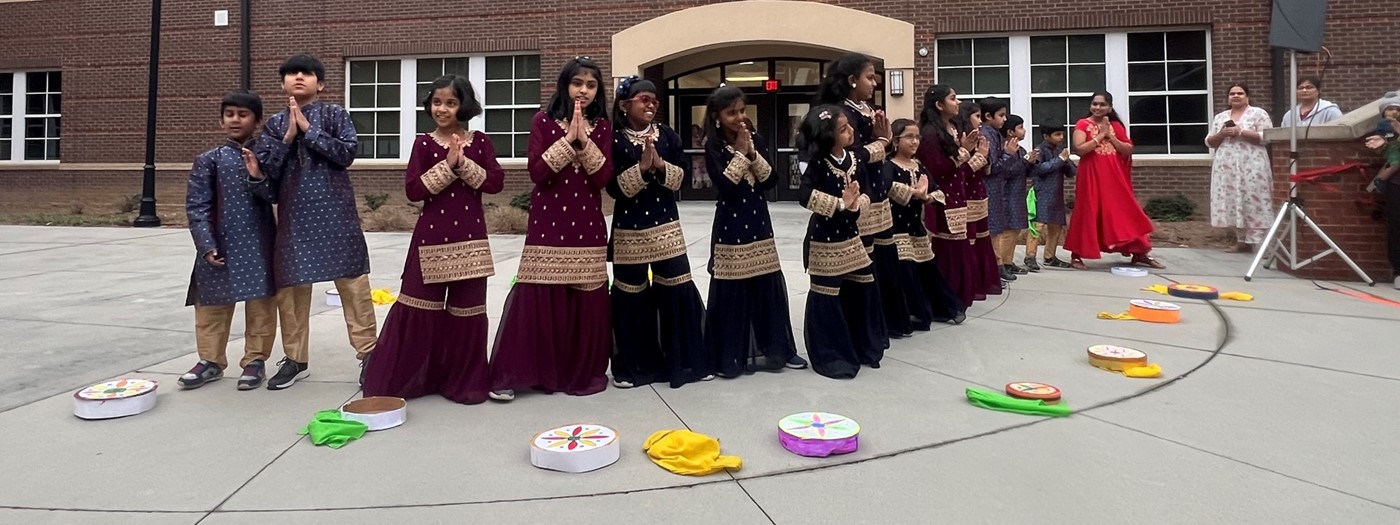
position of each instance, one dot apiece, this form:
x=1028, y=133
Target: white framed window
x=1160, y=78
x=386, y=100
x=31, y=114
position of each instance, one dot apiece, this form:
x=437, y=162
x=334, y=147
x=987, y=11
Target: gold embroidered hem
x=876, y=150
x=976, y=210
x=738, y=168
x=672, y=281
x=630, y=288
x=591, y=157
x=558, y=155
x=834, y=259
x=472, y=173
x=467, y=312
x=875, y=218
x=421, y=304
x=650, y=245
x=823, y=204
x=457, y=261
x=826, y=290
x=917, y=248
x=587, y=287
x=884, y=241
x=950, y=236
x=983, y=234
x=437, y=178
x=760, y=169
x=563, y=265
x=674, y=176
x=859, y=278
x=631, y=181
x=742, y=261
x=901, y=193
x=957, y=222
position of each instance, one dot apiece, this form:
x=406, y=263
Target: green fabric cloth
x=331, y=430
x=995, y=401
x=1030, y=216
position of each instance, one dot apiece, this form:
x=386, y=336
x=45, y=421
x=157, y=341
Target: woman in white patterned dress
x=1241, y=177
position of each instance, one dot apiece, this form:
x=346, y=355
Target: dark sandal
x=1077, y=264
x=1147, y=260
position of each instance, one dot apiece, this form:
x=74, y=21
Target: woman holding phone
x=1240, y=175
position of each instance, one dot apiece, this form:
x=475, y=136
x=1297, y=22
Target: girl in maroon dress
x=555, y=334
x=1106, y=215
x=970, y=118
x=951, y=153
x=434, y=340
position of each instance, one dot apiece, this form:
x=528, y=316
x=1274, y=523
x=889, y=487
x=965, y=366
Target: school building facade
x=73, y=72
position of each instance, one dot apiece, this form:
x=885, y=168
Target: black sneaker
x=203, y=372
x=1017, y=269
x=1031, y=265
x=364, y=364
x=796, y=363
x=1006, y=273
x=288, y=373
x=252, y=375
x=958, y=319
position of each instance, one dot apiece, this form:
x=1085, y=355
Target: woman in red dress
x=1106, y=215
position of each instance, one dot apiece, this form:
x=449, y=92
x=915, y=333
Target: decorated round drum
x=1116, y=358
x=119, y=389
x=1154, y=305
x=575, y=448
x=1031, y=390
x=575, y=438
x=818, y=434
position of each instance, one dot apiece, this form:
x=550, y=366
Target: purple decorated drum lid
x=818, y=434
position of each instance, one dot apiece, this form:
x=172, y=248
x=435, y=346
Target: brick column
x=1357, y=228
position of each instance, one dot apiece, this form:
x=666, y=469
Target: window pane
x=1048, y=108
x=387, y=147
x=527, y=66
x=954, y=53
x=1047, y=50
x=1086, y=48
x=1189, y=108
x=33, y=150
x=56, y=81
x=361, y=96
x=707, y=78
x=500, y=68
x=456, y=66
x=388, y=122
x=34, y=104
x=1188, y=139
x=52, y=124
x=1186, y=75
x=500, y=141
x=5, y=150
x=1086, y=79
x=361, y=72
x=522, y=119
x=7, y=83
x=34, y=127
x=429, y=69
x=1150, y=139
x=36, y=82
x=364, y=122
x=498, y=121
x=1186, y=45
x=55, y=104
x=1048, y=79
x=1145, y=46
x=746, y=74
x=388, y=96
x=499, y=93
x=993, y=80
x=364, y=149
x=7, y=104
x=793, y=73
x=527, y=92
x=1149, y=110
x=425, y=123
x=990, y=51
x=52, y=149
x=1146, y=77
x=522, y=146
x=388, y=71
x=6, y=128
x=959, y=79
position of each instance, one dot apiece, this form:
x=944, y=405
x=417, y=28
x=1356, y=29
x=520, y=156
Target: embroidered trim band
x=455, y=262
x=875, y=218
x=631, y=181
x=629, y=288
x=564, y=265
x=738, y=168
x=558, y=155
x=672, y=281
x=742, y=261
x=976, y=210
x=877, y=151
x=862, y=278
x=421, y=304
x=834, y=259
x=901, y=193
x=437, y=178
x=674, y=176
x=472, y=173
x=650, y=245
x=472, y=311
x=826, y=290
x=822, y=203
x=957, y=222
x=591, y=157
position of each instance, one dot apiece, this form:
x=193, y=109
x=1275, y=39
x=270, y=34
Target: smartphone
x=1229, y=123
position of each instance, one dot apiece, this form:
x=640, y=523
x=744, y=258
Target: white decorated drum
x=818, y=434
x=376, y=412
x=113, y=399
x=1116, y=358
x=575, y=448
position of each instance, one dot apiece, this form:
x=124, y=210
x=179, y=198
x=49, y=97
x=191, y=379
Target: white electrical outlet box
x=221, y=18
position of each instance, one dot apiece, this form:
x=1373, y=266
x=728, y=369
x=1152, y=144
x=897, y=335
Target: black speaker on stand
x=1296, y=25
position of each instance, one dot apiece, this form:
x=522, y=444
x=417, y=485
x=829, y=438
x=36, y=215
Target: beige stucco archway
x=713, y=33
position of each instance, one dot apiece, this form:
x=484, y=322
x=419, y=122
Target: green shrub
x=1176, y=208
x=521, y=201
x=375, y=200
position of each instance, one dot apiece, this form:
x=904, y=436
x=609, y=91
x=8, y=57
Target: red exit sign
x=771, y=86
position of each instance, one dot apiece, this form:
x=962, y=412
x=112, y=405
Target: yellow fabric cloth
x=1159, y=288
x=1116, y=317
x=1237, y=296
x=688, y=453
x=382, y=296
x=1152, y=370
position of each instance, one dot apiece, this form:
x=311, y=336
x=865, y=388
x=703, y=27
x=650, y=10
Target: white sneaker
x=622, y=384
x=502, y=395
x=1397, y=282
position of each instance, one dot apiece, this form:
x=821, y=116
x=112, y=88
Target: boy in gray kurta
x=1049, y=178
x=229, y=206
x=306, y=149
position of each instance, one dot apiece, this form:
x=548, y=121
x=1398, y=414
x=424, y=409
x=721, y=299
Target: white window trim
x=1115, y=76
x=17, y=124
x=408, y=102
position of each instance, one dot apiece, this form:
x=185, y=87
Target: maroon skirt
x=553, y=338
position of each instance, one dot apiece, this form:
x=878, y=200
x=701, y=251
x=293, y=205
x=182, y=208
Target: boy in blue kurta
x=306, y=149
x=1049, y=179
x=229, y=205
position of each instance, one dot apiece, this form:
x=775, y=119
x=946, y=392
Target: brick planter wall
x=1350, y=224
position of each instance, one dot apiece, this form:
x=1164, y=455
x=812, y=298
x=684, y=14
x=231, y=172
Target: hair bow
x=824, y=115
x=625, y=85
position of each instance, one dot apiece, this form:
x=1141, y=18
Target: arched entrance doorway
x=766, y=48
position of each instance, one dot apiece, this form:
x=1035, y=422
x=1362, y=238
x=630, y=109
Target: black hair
x=721, y=98
x=931, y=119
x=1012, y=121
x=836, y=87
x=561, y=107
x=1050, y=126
x=1107, y=97
x=1316, y=81
x=303, y=63
x=245, y=99
x=469, y=108
x=818, y=130
x=898, y=126
x=626, y=90
x=990, y=107
x=1241, y=85
x=966, y=110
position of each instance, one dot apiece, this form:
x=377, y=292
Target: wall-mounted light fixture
x=897, y=82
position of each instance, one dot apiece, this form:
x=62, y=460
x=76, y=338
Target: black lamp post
x=148, y=217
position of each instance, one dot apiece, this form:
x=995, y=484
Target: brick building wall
x=1338, y=205
x=102, y=49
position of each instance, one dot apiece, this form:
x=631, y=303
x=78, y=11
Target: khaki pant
x=212, y=324
x=1051, y=235
x=1004, y=245
x=294, y=308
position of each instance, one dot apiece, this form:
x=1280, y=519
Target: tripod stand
x=1293, y=210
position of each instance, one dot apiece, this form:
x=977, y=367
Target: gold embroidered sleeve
x=437, y=178
x=760, y=169
x=938, y=196
x=471, y=173
x=824, y=204
x=877, y=150
x=977, y=162
x=862, y=202
x=631, y=181
x=674, y=175
x=738, y=168
x=558, y=155
x=591, y=157
x=962, y=158
x=901, y=193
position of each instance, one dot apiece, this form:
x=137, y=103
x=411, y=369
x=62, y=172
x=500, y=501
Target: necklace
x=640, y=137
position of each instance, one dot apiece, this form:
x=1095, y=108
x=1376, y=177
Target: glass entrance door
x=777, y=117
